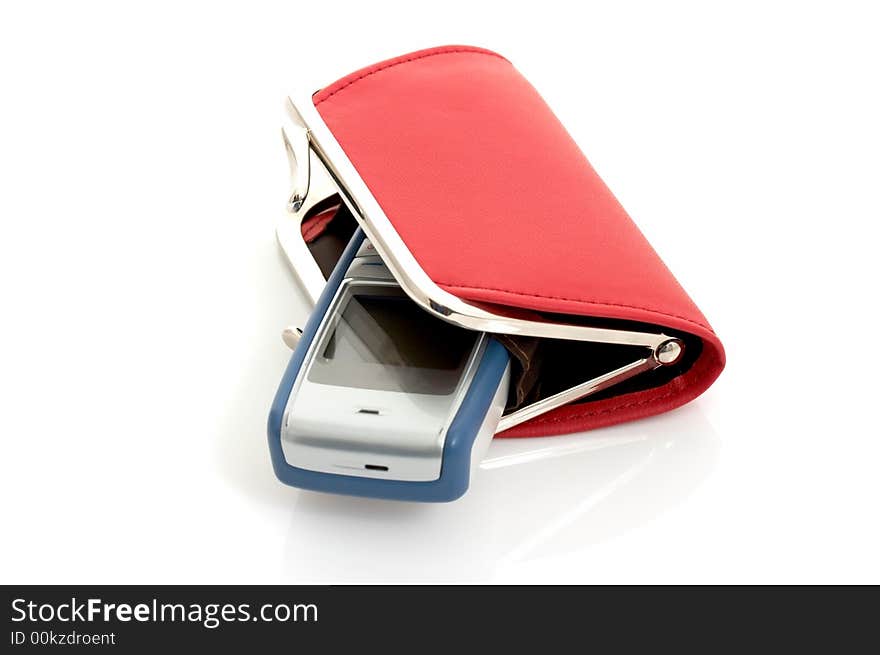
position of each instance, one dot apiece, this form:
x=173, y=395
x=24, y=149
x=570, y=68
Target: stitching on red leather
x=404, y=61
x=583, y=300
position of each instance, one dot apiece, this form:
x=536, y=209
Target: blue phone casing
x=455, y=469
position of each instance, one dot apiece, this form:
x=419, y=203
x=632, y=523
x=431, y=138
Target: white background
x=141, y=175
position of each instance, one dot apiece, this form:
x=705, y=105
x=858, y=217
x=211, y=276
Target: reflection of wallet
x=490, y=217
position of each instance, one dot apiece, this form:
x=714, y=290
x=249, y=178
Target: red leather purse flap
x=498, y=205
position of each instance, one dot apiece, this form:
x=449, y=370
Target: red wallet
x=490, y=216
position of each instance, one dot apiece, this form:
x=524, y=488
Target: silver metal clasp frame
x=320, y=169
x=310, y=185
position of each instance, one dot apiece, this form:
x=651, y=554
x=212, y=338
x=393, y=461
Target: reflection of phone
x=381, y=398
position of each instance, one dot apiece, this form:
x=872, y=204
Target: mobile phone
x=381, y=397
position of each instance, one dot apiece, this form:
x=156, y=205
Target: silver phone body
x=370, y=399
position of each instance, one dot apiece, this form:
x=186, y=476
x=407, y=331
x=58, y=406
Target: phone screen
x=382, y=340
